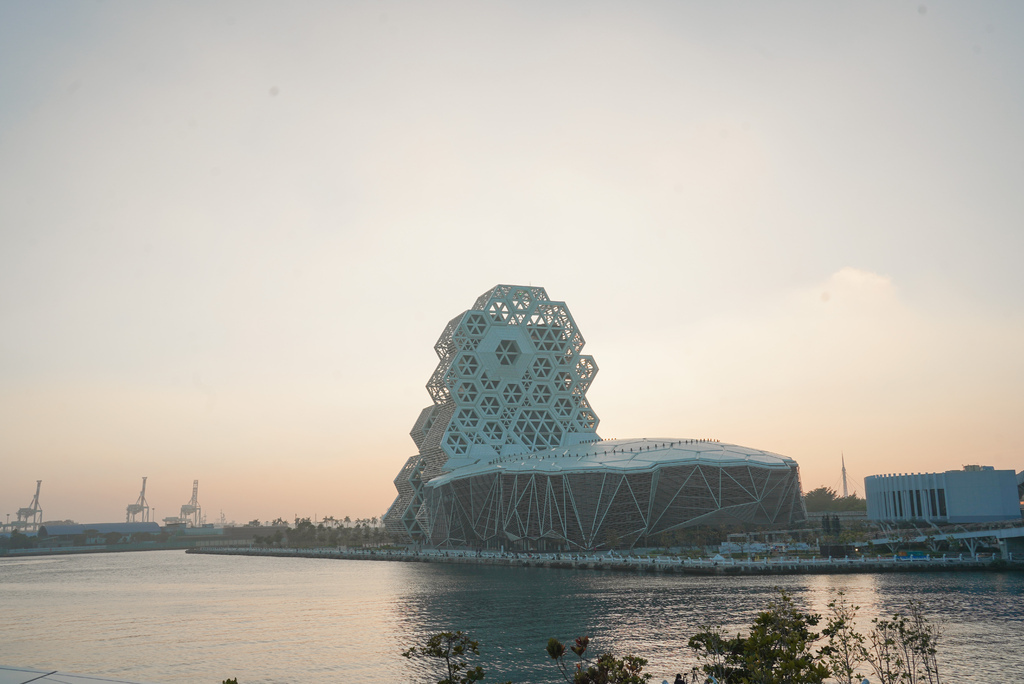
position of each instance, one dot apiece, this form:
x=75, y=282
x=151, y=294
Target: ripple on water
x=170, y=617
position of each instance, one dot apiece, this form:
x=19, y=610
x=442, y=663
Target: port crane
x=192, y=511
x=32, y=515
x=139, y=507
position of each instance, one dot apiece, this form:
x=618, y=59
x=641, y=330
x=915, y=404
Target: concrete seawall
x=670, y=565
x=93, y=548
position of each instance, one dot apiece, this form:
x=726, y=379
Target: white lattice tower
x=511, y=379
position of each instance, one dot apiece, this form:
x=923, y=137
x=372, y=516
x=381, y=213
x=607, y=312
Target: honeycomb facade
x=509, y=451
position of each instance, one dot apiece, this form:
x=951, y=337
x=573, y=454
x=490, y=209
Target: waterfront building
x=975, y=494
x=509, y=454
x=56, y=535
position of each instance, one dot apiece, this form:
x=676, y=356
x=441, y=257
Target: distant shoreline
x=706, y=567
x=98, y=548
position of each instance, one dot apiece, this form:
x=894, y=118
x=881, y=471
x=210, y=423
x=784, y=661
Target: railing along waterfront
x=665, y=564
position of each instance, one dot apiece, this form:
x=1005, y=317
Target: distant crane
x=140, y=506
x=32, y=515
x=192, y=512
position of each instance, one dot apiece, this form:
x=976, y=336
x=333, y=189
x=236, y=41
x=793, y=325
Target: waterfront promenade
x=630, y=563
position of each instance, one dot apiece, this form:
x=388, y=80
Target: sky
x=231, y=232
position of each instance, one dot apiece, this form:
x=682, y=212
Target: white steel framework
x=509, y=451
x=611, y=493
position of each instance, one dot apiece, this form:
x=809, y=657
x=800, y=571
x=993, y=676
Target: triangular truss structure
x=508, y=453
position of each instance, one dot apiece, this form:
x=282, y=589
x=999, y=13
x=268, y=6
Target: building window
x=942, y=502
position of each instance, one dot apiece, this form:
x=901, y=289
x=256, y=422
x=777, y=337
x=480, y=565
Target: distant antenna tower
x=192, y=512
x=140, y=506
x=846, y=492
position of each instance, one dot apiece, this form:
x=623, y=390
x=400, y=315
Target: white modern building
x=975, y=494
x=508, y=452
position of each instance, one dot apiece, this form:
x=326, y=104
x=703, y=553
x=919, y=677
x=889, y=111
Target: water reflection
x=513, y=611
x=171, y=617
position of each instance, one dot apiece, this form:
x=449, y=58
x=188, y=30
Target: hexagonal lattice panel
x=513, y=381
x=507, y=352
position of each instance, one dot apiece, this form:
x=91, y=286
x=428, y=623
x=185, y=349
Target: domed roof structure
x=509, y=450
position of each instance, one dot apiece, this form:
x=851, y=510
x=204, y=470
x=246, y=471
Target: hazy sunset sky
x=230, y=233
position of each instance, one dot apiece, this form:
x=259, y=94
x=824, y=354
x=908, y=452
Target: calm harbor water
x=167, y=616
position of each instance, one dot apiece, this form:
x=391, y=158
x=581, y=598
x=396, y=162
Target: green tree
x=776, y=651
x=453, y=648
x=717, y=654
x=903, y=649
x=825, y=499
x=844, y=651
x=820, y=499
x=607, y=669
x=17, y=540
x=850, y=503
x=303, y=534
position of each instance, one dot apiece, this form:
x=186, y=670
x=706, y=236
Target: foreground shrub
x=452, y=648
x=844, y=652
x=607, y=669
x=903, y=649
x=776, y=651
